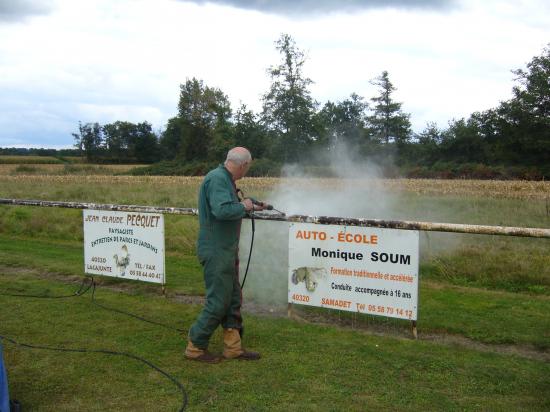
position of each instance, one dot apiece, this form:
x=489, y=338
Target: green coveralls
x=220, y=215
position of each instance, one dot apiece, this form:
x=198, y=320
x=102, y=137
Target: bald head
x=238, y=161
x=239, y=156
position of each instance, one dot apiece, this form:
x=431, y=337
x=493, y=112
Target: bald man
x=220, y=215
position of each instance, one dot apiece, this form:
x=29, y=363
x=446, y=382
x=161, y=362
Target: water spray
x=266, y=206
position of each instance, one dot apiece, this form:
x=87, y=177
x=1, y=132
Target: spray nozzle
x=263, y=204
x=266, y=206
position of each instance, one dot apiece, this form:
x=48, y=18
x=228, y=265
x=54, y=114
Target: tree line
x=24, y=151
x=512, y=138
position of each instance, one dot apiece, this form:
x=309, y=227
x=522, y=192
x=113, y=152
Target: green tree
x=205, y=126
x=144, y=146
x=89, y=140
x=463, y=142
x=127, y=141
x=428, y=144
x=249, y=132
x=172, y=138
x=117, y=139
x=343, y=122
x=517, y=132
x=288, y=108
x=388, y=123
x=533, y=91
x=431, y=135
x=525, y=119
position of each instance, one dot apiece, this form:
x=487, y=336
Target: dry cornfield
x=505, y=189
x=511, y=189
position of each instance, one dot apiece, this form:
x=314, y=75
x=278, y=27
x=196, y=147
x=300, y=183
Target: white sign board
x=124, y=245
x=357, y=269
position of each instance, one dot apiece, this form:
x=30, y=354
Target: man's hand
x=247, y=203
x=259, y=206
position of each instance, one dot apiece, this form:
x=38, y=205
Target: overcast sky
x=65, y=61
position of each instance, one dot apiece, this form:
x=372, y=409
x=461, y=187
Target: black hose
x=108, y=352
x=251, y=246
x=81, y=291
x=131, y=314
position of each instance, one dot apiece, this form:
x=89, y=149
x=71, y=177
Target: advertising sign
x=357, y=269
x=127, y=245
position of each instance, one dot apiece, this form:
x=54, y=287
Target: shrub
x=264, y=167
x=26, y=169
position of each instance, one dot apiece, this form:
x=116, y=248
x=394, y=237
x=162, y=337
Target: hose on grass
x=82, y=290
x=106, y=352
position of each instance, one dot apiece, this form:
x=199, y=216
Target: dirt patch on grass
x=525, y=351
x=401, y=330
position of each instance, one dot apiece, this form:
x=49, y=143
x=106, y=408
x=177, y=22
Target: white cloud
x=18, y=10
x=308, y=7
x=100, y=61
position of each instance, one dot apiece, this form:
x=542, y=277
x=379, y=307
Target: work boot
x=201, y=355
x=232, y=348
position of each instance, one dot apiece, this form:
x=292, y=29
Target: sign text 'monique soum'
x=352, y=268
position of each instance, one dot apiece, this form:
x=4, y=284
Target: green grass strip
x=485, y=316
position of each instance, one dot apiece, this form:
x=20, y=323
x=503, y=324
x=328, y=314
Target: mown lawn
x=304, y=366
x=488, y=316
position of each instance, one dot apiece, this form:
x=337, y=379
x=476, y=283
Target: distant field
x=29, y=160
x=62, y=169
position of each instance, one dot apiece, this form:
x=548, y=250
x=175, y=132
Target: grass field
x=484, y=319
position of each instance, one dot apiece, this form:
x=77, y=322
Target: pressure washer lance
x=265, y=205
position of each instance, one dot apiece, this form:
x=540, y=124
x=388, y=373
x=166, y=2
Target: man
x=220, y=215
